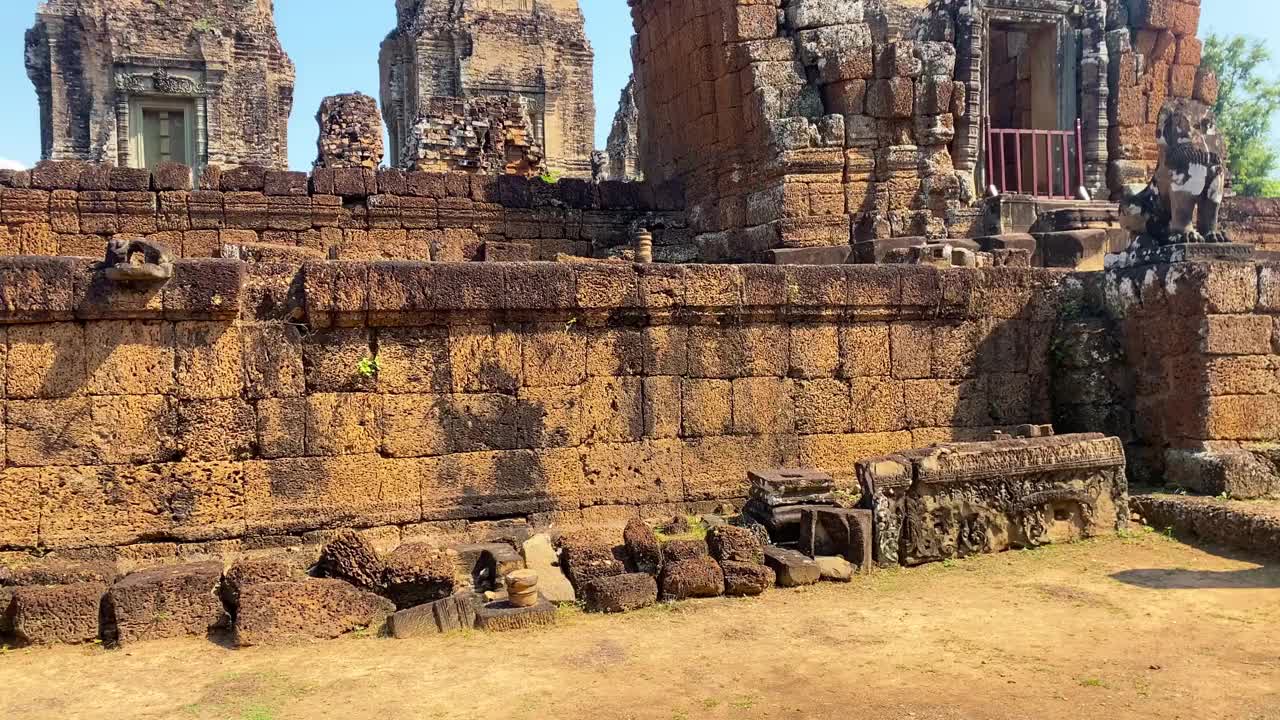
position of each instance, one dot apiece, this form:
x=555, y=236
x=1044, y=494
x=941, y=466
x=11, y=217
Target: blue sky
x=336, y=50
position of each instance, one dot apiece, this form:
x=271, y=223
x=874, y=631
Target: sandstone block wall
x=1202, y=341
x=1253, y=220
x=421, y=395
x=71, y=209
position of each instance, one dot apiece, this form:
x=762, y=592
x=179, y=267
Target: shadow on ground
x=1265, y=576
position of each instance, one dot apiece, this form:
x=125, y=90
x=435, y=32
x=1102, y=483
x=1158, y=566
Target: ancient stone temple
x=350, y=132
x=446, y=59
x=140, y=82
x=816, y=124
x=623, y=150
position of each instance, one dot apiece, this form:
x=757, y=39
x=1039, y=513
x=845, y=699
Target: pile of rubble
x=350, y=132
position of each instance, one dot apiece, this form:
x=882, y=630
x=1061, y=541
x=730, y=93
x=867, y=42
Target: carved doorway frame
x=137, y=84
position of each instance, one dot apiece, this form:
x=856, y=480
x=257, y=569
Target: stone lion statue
x=1188, y=183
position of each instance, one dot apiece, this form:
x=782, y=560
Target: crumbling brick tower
x=445, y=51
x=137, y=82
x=801, y=126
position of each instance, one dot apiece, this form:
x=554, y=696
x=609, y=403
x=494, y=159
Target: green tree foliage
x=1246, y=105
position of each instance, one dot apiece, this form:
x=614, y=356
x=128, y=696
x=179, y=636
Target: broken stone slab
x=696, y=578
x=834, y=568
x=642, y=547
x=166, y=602
x=417, y=573
x=621, y=593
x=503, y=616
x=678, y=550
x=793, y=568
x=838, y=531
x=540, y=556
x=735, y=544
x=351, y=557
x=456, y=612
x=782, y=522
x=747, y=579
x=1237, y=474
x=57, y=614
x=314, y=609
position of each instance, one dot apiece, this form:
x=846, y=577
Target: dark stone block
x=679, y=550
x=322, y=181
x=735, y=544
x=831, y=255
x=37, y=289
x=171, y=601
x=514, y=191
x=51, y=571
x=210, y=178
x=540, y=286
x=642, y=547
x=280, y=182
x=284, y=612
x=426, y=184
x=57, y=614
x=503, y=616
x=170, y=177
x=254, y=572
x=496, y=251
x=393, y=182
x=621, y=593
x=246, y=178
x=130, y=179
x=746, y=579
x=354, y=182
x=792, y=568
x=618, y=195
x=205, y=289
x=576, y=193
x=585, y=557
x=351, y=557
x=57, y=175
x=415, y=574
x=699, y=577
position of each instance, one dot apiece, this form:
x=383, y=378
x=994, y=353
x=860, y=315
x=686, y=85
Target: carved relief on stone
x=962, y=499
x=161, y=81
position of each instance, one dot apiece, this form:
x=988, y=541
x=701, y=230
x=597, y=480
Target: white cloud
x=7, y=164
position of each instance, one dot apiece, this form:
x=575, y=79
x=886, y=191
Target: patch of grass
x=368, y=367
x=1092, y=682
x=746, y=702
x=258, y=713
x=697, y=531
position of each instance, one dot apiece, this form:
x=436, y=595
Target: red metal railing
x=1021, y=149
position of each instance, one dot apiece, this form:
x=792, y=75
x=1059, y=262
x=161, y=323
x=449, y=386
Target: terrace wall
x=240, y=402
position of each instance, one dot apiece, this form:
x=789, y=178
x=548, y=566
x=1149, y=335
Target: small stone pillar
x=522, y=588
x=350, y=132
x=644, y=246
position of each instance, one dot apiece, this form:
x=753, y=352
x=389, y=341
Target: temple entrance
x=1032, y=138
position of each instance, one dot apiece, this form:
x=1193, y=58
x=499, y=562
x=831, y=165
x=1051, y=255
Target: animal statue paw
x=1217, y=237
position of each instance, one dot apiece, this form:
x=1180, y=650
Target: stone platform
x=1183, y=252
x=1250, y=526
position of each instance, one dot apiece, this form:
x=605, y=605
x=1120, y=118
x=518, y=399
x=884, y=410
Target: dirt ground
x=1133, y=627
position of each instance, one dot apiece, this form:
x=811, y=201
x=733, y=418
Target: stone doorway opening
x=1033, y=131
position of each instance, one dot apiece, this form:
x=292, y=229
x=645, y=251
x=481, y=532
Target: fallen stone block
x=835, y=569
x=839, y=532
x=746, y=579
x=351, y=557
x=681, y=550
x=621, y=593
x=48, y=572
x=254, y=572
x=165, y=602
x=792, y=568
x=316, y=609
x=416, y=573
x=729, y=543
x=1238, y=474
x=699, y=577
x=540, y=556
x=587, y=556
x=642, y=547
x=503, y=616
x=57, y=614
x=456, y=612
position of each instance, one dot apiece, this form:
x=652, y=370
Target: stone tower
x=137, y=82
x=445, y=51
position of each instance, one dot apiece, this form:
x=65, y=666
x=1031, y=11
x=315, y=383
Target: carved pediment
x=160, y=81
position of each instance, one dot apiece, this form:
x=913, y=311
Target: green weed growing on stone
x=368, y=367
